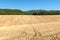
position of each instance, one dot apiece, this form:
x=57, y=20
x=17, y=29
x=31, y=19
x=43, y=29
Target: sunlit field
x=29, y=27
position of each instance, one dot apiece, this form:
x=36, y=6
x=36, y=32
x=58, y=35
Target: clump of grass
x=37, y=36
x=55, y=36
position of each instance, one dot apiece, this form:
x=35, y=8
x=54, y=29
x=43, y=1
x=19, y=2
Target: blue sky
x=30, y=4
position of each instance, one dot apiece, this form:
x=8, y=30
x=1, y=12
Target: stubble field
x=29, y=27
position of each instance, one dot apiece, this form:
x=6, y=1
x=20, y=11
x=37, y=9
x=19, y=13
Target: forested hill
x=11, y=12
x=44, y=12
x=31, y=12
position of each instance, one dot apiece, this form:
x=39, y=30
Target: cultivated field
x=28, y=27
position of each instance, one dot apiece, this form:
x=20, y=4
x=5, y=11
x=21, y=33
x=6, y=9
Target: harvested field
x=28, y=27
x=24, y=19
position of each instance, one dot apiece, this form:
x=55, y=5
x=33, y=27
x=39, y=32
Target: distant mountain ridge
x=44, y=12
x=29, y=12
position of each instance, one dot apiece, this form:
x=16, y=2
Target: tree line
x=47, y=13
x=31, y=12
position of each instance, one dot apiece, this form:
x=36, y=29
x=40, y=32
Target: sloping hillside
x=11, y=12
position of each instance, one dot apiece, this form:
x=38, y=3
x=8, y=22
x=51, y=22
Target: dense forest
x=30, y=12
